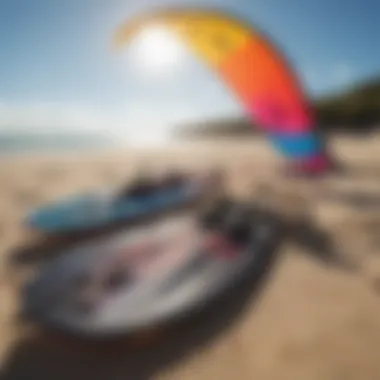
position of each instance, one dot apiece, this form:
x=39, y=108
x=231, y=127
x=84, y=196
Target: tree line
x=356, y=110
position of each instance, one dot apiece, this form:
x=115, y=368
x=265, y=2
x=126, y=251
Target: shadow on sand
x=356, y=199
x=318, y=244
x=47, y=356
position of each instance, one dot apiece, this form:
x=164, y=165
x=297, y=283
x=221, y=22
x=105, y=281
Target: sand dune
x=317, y=316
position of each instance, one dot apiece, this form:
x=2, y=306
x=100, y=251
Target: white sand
x=312, y=321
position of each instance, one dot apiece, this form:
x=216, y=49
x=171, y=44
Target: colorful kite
x=254, y=69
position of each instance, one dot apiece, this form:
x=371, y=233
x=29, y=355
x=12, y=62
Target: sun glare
x=156, y=50
x=150, y=139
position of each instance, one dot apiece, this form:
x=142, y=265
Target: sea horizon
x=19, y=142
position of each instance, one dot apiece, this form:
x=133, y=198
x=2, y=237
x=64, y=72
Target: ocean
x=23, y=142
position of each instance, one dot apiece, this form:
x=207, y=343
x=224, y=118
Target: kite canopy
x=255, y=71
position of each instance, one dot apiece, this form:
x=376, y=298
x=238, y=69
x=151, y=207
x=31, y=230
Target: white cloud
x=153, y=111
x=41, y=116
x=319, y=81
x=136, y=118
x=139, y=123
x=310, y=79
x=309, y=75
x=142, y=114
x=342, y=73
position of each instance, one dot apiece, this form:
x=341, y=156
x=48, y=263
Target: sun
x=156, y=50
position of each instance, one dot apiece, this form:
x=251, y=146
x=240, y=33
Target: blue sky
x=57, y=69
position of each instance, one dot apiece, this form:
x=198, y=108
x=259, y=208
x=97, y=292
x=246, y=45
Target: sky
x=58, y=71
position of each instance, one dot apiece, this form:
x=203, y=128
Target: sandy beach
x=314, y=317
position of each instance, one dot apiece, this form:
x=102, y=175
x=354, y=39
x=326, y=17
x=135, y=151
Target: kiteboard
x=153, y=276
x=107, y=207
